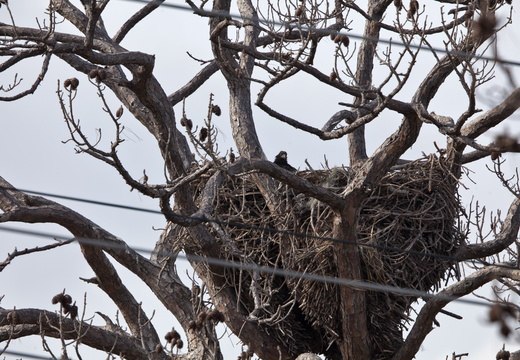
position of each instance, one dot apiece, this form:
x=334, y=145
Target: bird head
x=282, y=155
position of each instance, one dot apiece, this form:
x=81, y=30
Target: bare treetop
x=267, y=241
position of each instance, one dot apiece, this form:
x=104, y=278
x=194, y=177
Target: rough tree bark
x=264, y=47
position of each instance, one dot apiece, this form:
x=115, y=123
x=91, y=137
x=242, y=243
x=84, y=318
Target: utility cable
x=254, y=227
x=357, y=284
x=326, y=32
x=25, y=355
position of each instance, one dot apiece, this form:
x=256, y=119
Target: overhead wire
x=255, y=227
x=265, y=269
x=25, y=354
x=326, y=32
x=358, y=284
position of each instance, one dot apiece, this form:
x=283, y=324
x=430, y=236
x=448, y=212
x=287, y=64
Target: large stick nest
x=409, y=215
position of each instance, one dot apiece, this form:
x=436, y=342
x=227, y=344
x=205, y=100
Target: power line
x=26, y=355
x=357, y=284
x=250, y=227
x=327, y=32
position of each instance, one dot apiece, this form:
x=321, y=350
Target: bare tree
x=268, y=242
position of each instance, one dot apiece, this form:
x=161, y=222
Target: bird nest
x=407, y=230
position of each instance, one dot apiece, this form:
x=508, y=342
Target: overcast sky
x=34, y=155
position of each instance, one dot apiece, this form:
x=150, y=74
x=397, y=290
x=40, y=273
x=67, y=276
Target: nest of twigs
x=408, y=216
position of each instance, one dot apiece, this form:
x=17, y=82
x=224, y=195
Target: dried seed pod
x=192, y=325
x=66, y=83
x=299, y=11
x=232, y=156
x=73, y=312
x=495, y=313
x=202, y=316
x=93, y=73
x=175, y=334
x=337, y=39
x=179, y=343
x=66, y=300
x=183, y=121
x=119, y=112
x=158, y=348
x=211, y=315
x=503, y=355
x=504, y=329
x=332, y=36
x=168, y=337
x=485, y=26
x=398, y=4
x=102, y=75
x=221, y=317
x=189, y=124
x=58, y=298
x=198, y=325
x=74, y=82
x=345, y=41
x=215, y=315
x=215, y=109
x=414, y=6
x=203, y=134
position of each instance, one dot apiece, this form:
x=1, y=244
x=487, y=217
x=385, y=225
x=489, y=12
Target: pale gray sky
x=33, y=156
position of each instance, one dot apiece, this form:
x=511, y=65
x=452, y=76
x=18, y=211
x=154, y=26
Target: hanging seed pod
x=398, y=4
x=179, y=343
x=414, y=6
x=158, y=348
x=73, y=312
x=93, y=73
x=345, y=41
x=337, y=39
x=66, y=83
x=74, y=82
x=119, y=112
x=215, y=109
x=202, y=316
x=203, y=134
x=192, y=325
x=168, y=337
x=183, y=121
x=66, y=300
x=57, y=298
x=102, y=75
x=299, y=11
x=175, y=334
x=189, y=124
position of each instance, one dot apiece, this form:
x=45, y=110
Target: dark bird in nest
x=281, y=161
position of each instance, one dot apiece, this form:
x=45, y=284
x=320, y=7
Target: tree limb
x=425, y=318
x=507, y=236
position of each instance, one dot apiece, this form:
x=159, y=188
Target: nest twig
x=410, y=214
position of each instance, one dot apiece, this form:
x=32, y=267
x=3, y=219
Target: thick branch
x=33, y=322
x=194, y=83
x=507, y=236
x=492, y=117
x=426, y=317
x=135, y=19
